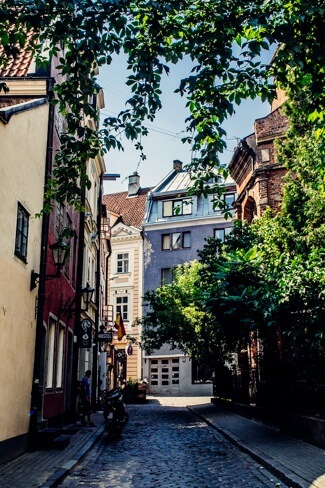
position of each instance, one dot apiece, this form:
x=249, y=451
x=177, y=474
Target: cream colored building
x=125, y=211
x=23, y=142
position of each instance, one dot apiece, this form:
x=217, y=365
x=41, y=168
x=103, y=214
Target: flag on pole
x=119, y=326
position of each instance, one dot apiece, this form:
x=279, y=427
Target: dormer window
x=172, y=208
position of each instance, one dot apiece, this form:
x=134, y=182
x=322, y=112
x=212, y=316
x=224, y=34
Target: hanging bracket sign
x=85, y=333
x=105, y=337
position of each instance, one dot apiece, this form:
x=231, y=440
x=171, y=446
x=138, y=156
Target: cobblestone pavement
x=165, y=445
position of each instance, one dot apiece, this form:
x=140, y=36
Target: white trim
x=212, y=219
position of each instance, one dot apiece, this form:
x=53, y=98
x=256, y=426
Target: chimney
x=134, y=184
x=177, y=165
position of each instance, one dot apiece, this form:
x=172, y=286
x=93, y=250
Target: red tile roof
x=131, y=209
x=20, y=64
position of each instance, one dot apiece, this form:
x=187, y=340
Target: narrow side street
x=165, y=445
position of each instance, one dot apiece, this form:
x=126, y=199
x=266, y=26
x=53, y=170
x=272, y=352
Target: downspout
x=77, y=322
x=95, y=379
x=38, y=373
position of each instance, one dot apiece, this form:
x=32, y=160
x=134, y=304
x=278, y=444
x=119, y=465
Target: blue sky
x=163, y=144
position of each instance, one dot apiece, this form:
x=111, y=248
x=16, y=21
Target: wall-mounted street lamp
x=59, y=251
x=87, y=295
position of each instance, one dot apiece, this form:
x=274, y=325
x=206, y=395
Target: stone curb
x=62, y=472
x=292, y=480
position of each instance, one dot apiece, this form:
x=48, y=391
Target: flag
x=119, y=326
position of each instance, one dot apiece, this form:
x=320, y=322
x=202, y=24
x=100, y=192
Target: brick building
x=255, y=167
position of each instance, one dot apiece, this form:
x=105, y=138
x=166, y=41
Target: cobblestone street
x=165, y=445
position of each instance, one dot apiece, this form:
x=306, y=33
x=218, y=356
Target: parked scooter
x=115, y=414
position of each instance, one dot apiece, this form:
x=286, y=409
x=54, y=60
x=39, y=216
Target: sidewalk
x=298, y=464
x=47, y=467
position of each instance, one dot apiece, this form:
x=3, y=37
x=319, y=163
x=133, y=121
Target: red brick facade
x=255, y=167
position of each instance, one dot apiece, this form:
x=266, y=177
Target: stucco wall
x=156, y=259
x=22, y=162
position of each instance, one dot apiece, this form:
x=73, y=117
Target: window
x=186, y=239
x=69, y=257
x=59, y=358
x=166, y=276
x=221, y=233
x=21, y=232
x=176, y=240
x=177, y=207
x=50, y=356
x=59, y=219
x=122, y=265
x=122, y=307
x=229, y=200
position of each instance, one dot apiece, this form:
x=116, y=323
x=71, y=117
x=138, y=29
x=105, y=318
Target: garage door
x=164, y=376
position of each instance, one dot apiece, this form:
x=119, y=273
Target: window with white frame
x=122, y=262
x=50, y=355
x=60, y=357
x=182, y=206
x=229, y=199
x=176, y=240
x=122, y=306
x=21, y=232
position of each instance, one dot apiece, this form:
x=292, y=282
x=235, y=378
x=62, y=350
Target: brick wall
x=256, y=170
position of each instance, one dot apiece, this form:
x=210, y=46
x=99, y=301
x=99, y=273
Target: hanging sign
x=120, y=354
x=105, y=337
x=85, y=334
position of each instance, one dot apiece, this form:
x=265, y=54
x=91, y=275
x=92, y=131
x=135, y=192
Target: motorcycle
x=115, y=414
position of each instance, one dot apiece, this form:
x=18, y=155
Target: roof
x=131, y=209
x=175, y=181
x=20, y=64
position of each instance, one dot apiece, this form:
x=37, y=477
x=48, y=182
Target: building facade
x=24, y=116
x=174, y=228
x=125, y=211
x=44, y=313
x=255, y=167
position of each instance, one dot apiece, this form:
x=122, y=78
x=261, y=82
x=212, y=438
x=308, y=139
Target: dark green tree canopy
x=223, y=39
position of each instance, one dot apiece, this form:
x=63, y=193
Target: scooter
x=115, y=414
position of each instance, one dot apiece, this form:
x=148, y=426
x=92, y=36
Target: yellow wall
x=22, y=166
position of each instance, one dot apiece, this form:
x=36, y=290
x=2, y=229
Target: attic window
x=173, y=208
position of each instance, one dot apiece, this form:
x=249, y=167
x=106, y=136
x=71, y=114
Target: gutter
x=7, y=113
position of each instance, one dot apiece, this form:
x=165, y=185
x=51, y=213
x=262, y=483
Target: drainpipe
x=77, y=321
x=38, y=373
x=95, y=379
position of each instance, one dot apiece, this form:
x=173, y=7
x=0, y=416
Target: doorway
x=164, y=376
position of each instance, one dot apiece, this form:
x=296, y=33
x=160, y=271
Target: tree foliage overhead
x=224, y=40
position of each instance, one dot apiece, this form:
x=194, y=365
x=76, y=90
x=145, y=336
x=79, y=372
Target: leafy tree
x=177, y=315
x=224, y=40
